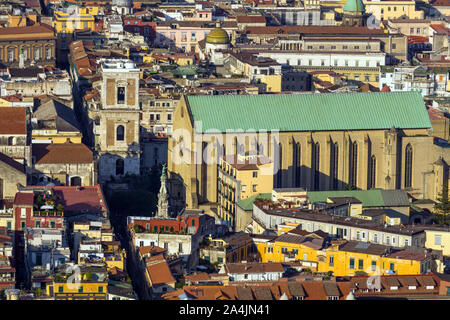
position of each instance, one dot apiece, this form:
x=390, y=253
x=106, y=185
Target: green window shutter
x=361, y=264
x=100, y=289
x=352, y=263
x=60, y=289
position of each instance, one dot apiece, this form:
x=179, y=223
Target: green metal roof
x=369, y=198
x=354, y=6
x=310, y=112
x=247, y=204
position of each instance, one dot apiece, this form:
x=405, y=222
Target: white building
x=414, y=78
x=327, y=59
x=270, y=271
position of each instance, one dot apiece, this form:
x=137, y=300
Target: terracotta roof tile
x=158, y=270
x=13, y=120
x=74, y=153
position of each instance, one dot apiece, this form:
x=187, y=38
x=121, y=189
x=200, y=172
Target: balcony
x=48, y=213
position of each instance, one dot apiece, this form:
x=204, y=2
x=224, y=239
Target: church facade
x=319, y=142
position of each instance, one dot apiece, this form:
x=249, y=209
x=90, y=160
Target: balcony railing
x=48, y=213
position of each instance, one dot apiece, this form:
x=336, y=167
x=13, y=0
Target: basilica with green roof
x=317, y=141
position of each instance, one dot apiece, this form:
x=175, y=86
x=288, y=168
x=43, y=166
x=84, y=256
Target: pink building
x=186, y=34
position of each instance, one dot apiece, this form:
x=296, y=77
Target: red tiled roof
x=24, y=198
x=12, y=120
x=385, y=88
x=158, y=270
x=251, y=19
x=74, y=153
x=439, y=28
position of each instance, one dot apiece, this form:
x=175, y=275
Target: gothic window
x=372, y=172
x=353, y=168
x=408, y=166
x=120, y=166
x=120, y=133
x=297, y=163
x=334, y=165
x=280, y=163
x=316, y=166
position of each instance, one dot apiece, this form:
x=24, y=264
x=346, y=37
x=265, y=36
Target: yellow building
x=385, y=10
x=344, y=258
x=240, y=177
x=92, y=284
x=66, y=21
x=438, y=239
x=273, y=82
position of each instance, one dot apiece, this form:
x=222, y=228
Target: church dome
x=218, y=36
x=354, y=6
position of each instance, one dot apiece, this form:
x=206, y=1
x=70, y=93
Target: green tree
x=442, y=208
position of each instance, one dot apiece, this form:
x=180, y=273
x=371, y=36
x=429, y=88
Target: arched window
x=316, y=166
x=120, y=166
x=371, y=183
x=120, y=133
x=334, y=162
x=408, y=166
x=297, y=163
x=75, y=181
x=353, y=167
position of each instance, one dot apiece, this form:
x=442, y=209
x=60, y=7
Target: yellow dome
x=217, y=36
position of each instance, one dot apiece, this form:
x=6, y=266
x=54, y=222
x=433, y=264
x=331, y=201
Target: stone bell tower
x=116, y=128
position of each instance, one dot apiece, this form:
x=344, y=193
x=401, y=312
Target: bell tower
x=117, y=128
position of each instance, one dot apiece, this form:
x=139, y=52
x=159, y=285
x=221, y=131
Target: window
x=166, y=246
x=36, y=54
x=254, y=188
x=180, y=247
x=100, y=289
x=52, y=224
x=8, y=225
x=352, y=263
x=333, y=47
x=120, y=95
x=437, y=240
x=331, y=261
x=375, y=238
x=255, y=174
x=120, y=133
x=391, y=267
x=169, y=117
x=80, y=289
x=38, y=224
x=360, y=264
x=23, y=212
x=120, y=166
x=60, y=289
x=22, y=225
x=372, y=172
x=394, y=46
x=316, y=165
x=353, y=170
x=408, y=166
x=374, y=265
